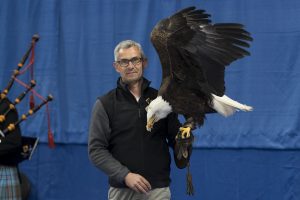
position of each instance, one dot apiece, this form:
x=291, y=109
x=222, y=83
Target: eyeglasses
x=125, y=62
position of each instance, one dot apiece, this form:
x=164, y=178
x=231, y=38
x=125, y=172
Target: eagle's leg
x=186, y=129
x=185, y=138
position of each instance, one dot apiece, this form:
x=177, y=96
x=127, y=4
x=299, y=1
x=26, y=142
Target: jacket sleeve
x=98, y=143
x=173, y=128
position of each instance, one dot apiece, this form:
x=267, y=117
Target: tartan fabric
x=9, y=183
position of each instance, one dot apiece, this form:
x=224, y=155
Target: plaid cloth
x=10, y=188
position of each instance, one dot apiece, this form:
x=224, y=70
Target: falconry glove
x=183, y=151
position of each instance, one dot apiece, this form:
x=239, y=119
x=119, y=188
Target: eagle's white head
x=157, y=109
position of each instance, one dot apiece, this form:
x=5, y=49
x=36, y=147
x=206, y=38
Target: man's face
x=130, y=65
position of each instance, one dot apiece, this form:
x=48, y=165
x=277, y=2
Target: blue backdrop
x=73, y=61
x=75, y=53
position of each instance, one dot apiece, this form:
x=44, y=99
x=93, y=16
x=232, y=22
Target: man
x=137, y=162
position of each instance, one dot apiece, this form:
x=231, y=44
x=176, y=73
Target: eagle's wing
x=194, y=51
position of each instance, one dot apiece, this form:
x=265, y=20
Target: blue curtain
x=65, y=173
x=74, y=63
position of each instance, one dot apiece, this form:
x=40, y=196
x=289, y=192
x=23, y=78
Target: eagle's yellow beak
x=150, y=123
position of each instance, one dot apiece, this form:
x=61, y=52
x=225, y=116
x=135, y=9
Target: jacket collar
x=146, y=83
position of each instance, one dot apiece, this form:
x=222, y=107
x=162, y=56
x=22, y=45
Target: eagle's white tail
x=226, y=106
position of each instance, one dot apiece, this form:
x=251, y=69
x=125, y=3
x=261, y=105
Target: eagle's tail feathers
x=227, y=106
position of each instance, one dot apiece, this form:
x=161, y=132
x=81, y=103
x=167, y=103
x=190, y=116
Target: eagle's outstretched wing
x=189, y=46
x=193, y=53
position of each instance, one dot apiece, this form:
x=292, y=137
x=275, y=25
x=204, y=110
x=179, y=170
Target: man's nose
x=130, y=64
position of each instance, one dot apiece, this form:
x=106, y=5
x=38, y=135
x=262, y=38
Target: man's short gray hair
x=127, y=44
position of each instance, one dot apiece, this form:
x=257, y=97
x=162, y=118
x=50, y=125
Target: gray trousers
x=128, y=194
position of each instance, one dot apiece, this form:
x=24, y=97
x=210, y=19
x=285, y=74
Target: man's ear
x=116, y=66
x=145, y=62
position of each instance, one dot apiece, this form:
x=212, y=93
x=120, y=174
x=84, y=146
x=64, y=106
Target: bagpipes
x=9, y=119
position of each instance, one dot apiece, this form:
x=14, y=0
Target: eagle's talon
x=185, y=132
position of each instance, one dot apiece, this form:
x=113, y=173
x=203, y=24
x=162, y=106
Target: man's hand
x=137, y=183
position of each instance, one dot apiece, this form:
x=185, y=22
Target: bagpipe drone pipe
x=15, y=148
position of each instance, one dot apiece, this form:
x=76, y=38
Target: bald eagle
x=194, y=53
